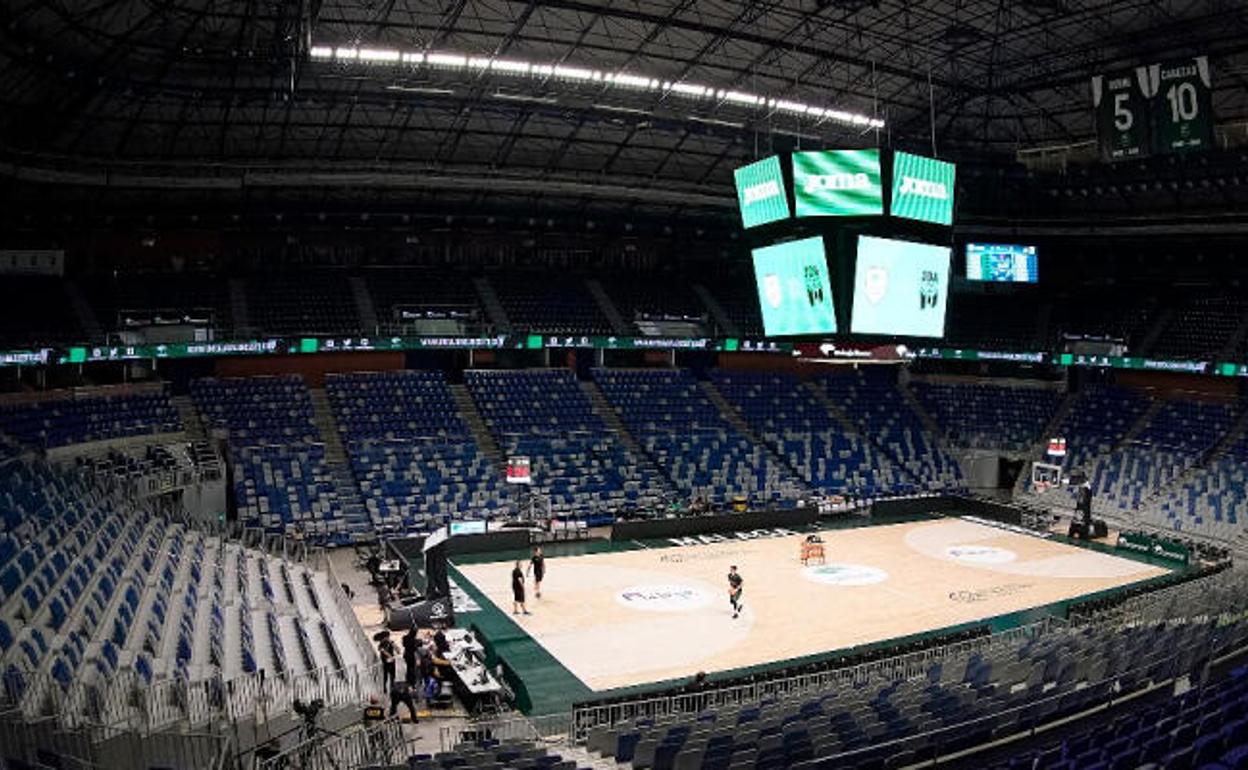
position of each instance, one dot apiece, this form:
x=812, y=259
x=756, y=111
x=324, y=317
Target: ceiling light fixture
x=445, y=60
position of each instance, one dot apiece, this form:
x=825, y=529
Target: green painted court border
x=543, y=685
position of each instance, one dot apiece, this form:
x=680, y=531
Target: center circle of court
x=663, y=598
x=980, y=554
x=844, y=574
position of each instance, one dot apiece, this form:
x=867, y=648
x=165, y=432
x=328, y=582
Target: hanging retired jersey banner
x=1182, y=105
x=1057, y=447
x=1121, y=103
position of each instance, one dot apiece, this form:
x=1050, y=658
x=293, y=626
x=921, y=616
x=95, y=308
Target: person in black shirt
x=401, y=692
x=537, y=565
x=440, y=642
x=410, y=643
x=517, y=591
x=735, y=590
x=388, y=652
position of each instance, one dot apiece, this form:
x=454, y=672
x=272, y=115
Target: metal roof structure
x=647, y=102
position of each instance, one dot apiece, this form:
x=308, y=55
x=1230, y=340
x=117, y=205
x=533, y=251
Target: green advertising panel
x=760, y=192
x=794, y=290
x=837, y=183
x=922, y=189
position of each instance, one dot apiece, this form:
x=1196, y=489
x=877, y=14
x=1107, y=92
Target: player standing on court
x=735, y=590
x=537, y=565
x=517, y=591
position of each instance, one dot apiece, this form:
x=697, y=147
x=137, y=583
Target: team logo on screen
x=836, y=182
x=875, y=284
x=923, y=188
x=761, y=191
x=929, y=289
x=814, y=285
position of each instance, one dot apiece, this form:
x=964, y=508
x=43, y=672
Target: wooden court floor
x=635, y=617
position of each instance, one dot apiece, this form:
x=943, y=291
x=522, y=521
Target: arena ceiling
x=232, y=93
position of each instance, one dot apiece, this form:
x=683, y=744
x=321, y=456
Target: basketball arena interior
x=657, y=384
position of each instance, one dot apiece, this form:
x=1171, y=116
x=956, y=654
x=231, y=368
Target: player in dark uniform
x=735, y=590
x=537, y=565
x=517, y=591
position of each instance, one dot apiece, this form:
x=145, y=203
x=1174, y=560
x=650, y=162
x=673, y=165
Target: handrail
x=381, y=743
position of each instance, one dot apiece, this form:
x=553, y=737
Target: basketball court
x=648, y=614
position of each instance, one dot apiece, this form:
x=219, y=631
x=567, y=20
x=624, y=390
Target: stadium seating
x=312, y=303
x=1204, y=728
x=36, y=311
x=1200, y=328
x=1175, y=439
x=103, y=603
x=488, y=752
x=798, y=428
x=282, y=482
x=961, y=701
x=870, y=399
x=72, y=419
x=576, y=462
x=1099, y=418
x=665, y=303
x=1100, y=314
x=1210, y=501
x=738, y=299
x=994, y=321
x=988, y=416
x=201, y=295
x=554, y=304
x=447, y=299
x=412, y=455
x=394, y=405
x=692, y=442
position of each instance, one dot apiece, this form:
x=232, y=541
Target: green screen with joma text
x=760, y=192
x=922, y=189
x=794, y=290
x=837, y=183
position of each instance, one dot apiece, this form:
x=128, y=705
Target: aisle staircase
x=359, y=523
x=476, y=423
x=493, y=307
x=738, y=422
x=364, y=307
x=191, y=421
x=834, y=410
x=84, y=313
x=618, y=324
x=598, y=402
x=727, y=327
x=240, y=318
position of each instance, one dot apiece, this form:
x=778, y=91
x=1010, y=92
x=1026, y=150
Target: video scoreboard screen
x=760, y=192
x=900, y=288
x=794, y=289
x=1004, y=262
x=922, y=189
x=837, y=183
